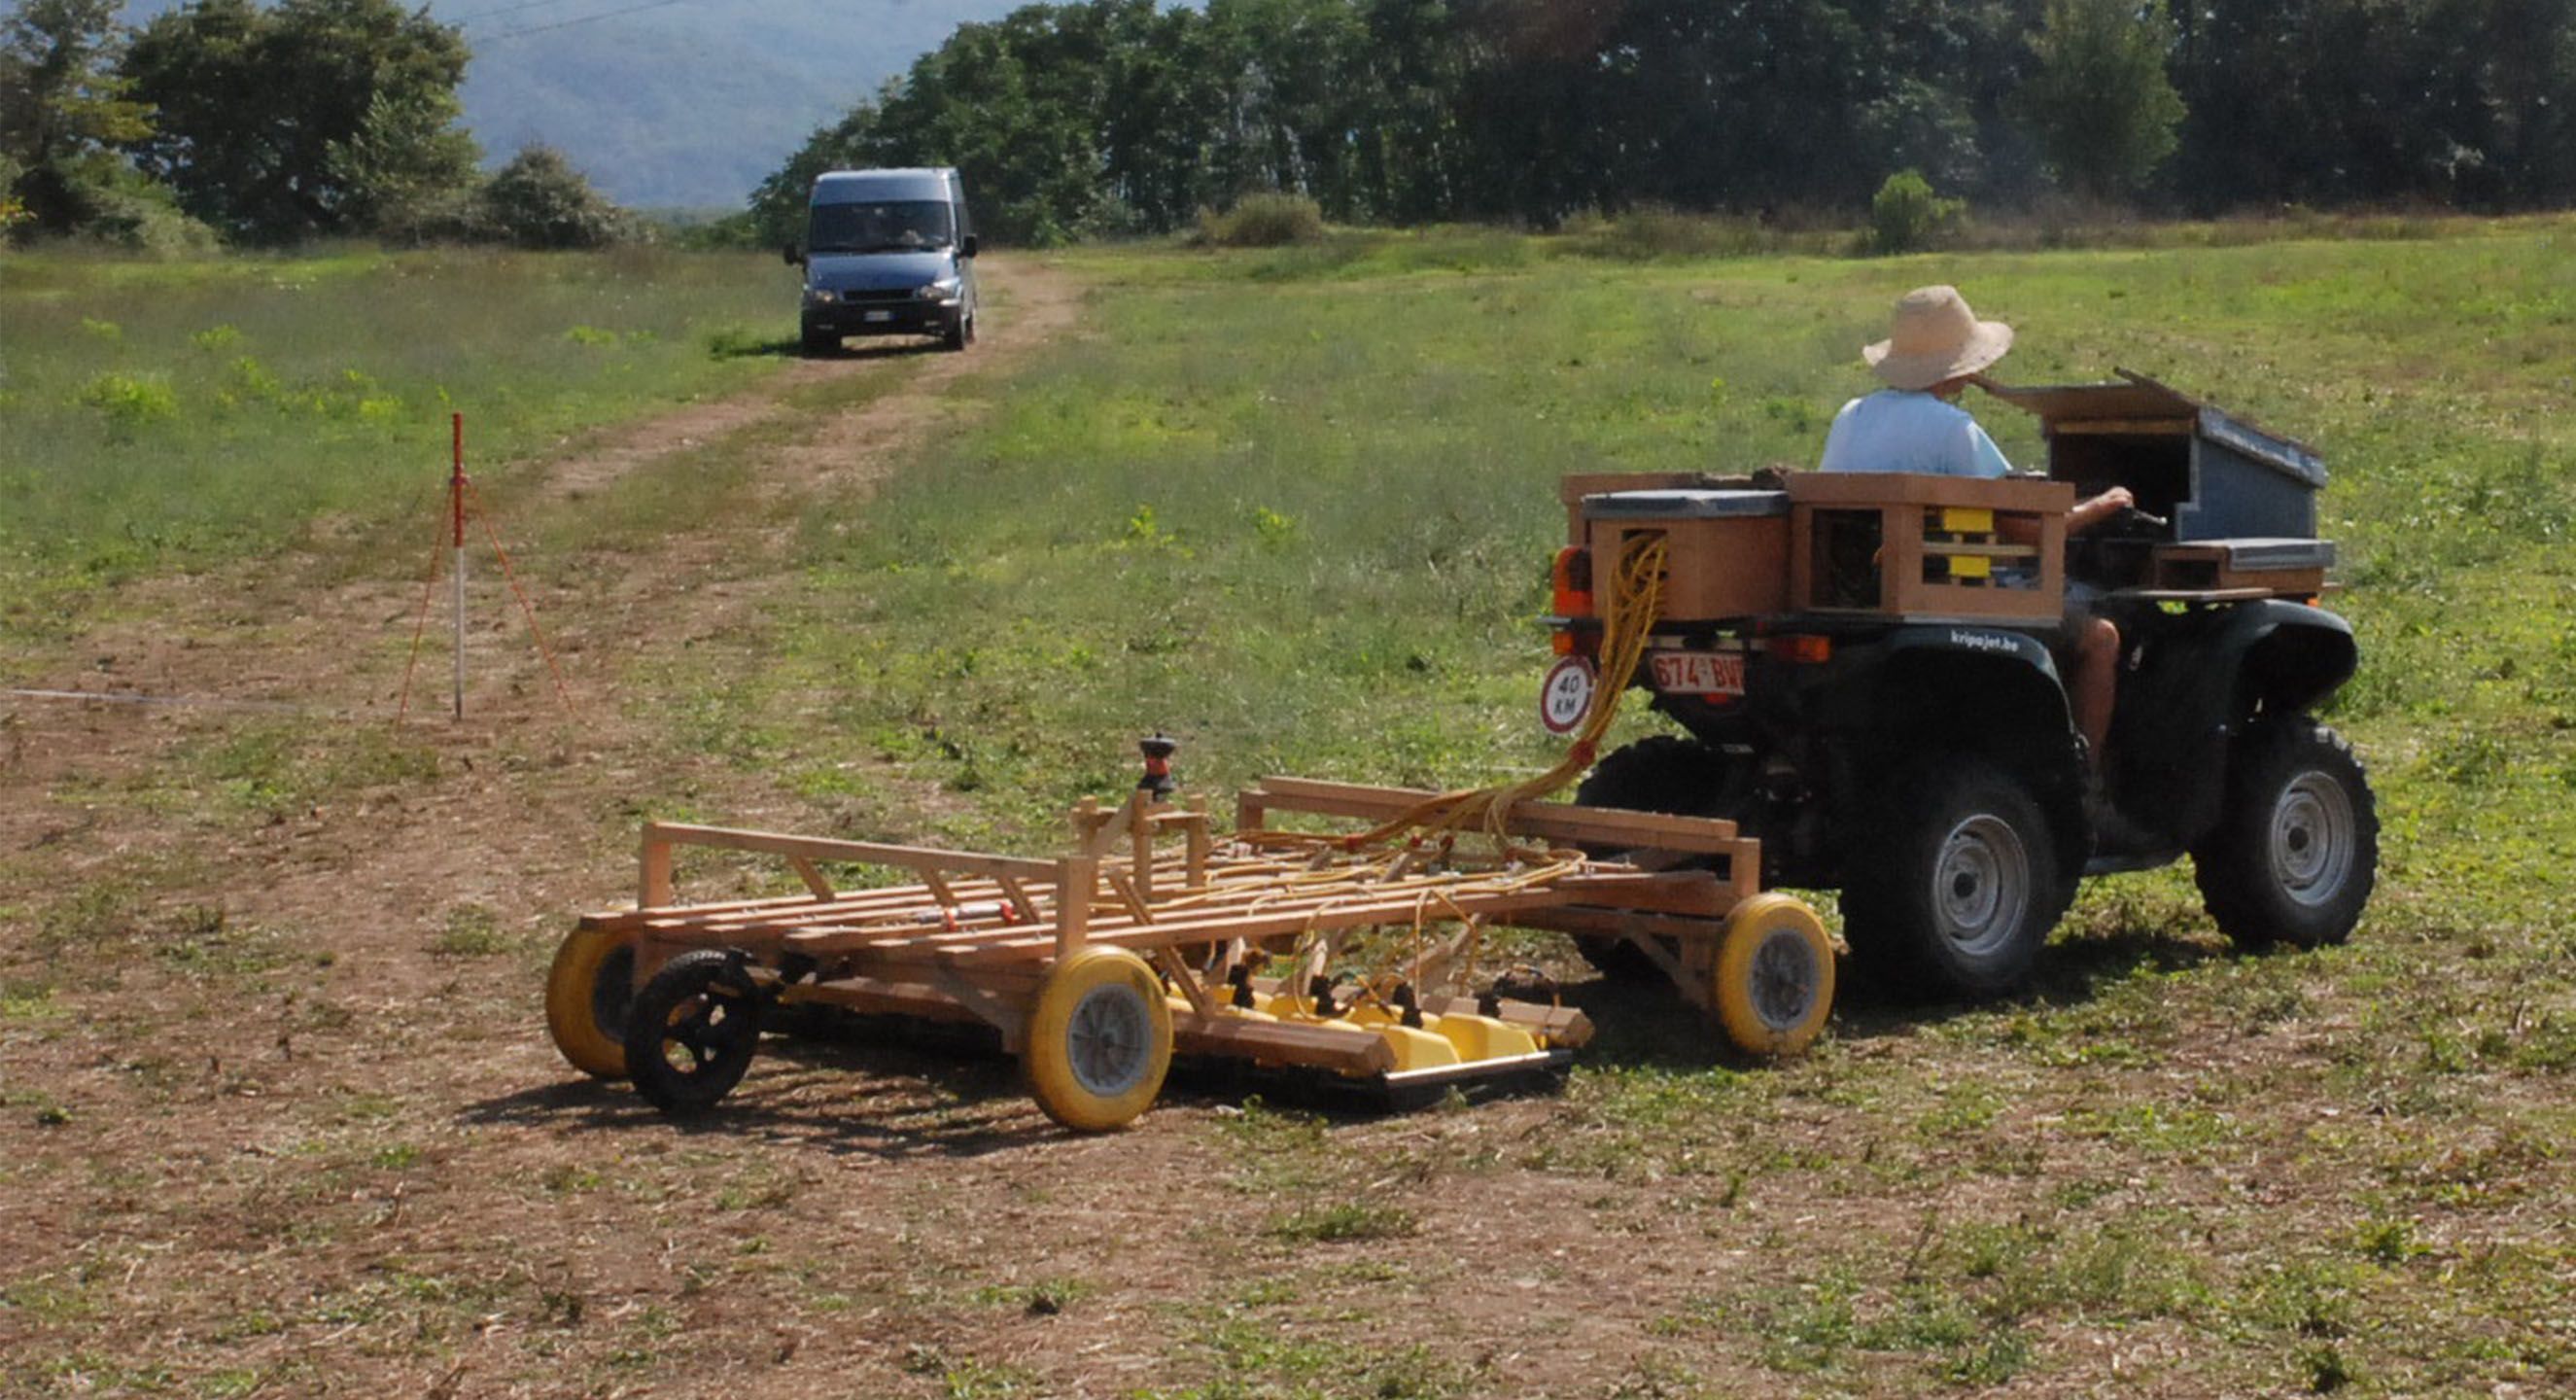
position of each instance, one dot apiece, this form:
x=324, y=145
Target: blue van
x=887, y=252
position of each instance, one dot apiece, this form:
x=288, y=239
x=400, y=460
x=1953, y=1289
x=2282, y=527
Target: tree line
x=1110, y=116
x=262, y=125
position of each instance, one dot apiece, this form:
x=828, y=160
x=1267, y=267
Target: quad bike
x=1868, y=673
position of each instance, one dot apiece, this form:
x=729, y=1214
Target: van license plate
x=1699, y=672
x=876, y=315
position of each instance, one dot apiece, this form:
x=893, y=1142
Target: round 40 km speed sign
x=1566, y=696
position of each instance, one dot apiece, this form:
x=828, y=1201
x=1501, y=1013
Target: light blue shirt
x=1896, y=430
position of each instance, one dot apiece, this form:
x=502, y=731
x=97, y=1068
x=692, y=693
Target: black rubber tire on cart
x=692, y=1031
x=2296, y=852
x=1664, y=773
x=1953, y=884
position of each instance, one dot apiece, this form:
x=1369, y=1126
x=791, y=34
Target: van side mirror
x=795, y=258
x=966, y=248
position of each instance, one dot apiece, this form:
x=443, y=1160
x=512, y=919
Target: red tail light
x=1806, y=649
x=1571, y=581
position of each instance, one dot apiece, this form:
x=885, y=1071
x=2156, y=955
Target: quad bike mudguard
x=1979, y=682
x=2201, y=676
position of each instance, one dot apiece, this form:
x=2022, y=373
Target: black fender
x=2200, y=678
x=1996, y=691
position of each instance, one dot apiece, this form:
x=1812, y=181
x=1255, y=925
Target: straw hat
x=1934, y=336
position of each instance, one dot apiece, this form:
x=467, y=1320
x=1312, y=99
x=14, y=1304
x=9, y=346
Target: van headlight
x=820, y=296
x=945, y=289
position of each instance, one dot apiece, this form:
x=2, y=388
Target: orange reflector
x=1570, y=581
x=1562, y=642
x=1806, y=649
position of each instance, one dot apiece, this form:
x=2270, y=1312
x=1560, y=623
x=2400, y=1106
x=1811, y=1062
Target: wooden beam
x=2118, y=427
x=1554, y=820
x=813, y=878
x=653, y=889
x=858, y=852
x=1075, y=878
x=1350, y=1051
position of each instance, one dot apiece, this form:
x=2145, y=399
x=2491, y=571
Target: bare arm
x=2089, y=515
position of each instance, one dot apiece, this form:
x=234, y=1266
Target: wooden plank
x=1556, y=820
x=1671, y=892
x=1185, y=979
x=1206, y=928
x=793, y=911
x=875, y=997
x=1989, y=551
x=654, y=886
x=1074, y=881
x=858, y=852
x=1198, y=840
x=1281, y=1043
x=1021, y=902
x=2118, y=427
x=812, y=877
x=1863, y=489
x=1580, y=918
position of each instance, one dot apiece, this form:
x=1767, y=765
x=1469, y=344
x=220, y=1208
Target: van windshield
x=891, y=226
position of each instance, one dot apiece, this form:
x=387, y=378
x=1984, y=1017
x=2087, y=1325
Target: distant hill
x=687, y=104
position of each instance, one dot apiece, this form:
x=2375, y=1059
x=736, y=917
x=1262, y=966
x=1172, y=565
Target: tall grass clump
x=1654, y=231
x=1263, y=221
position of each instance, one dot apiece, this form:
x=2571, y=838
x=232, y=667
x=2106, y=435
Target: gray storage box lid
x=1686, y=505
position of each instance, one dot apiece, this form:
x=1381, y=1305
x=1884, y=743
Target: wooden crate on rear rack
x=1955, y=549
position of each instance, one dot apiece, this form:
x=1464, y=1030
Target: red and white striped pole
x=456, y=510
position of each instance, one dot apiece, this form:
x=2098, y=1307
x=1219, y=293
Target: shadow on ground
x=896, y=1089
x=1647, y=1024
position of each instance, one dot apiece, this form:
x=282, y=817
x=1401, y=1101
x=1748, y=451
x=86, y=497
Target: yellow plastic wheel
x=586, y=998
x=1775, y=976
x=1099, y=1040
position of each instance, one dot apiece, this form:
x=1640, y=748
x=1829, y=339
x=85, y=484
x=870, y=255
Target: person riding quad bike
x=1951, y=731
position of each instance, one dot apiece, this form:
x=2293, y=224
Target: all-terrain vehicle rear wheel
x=1664, y=773
x=1953, y=883
x=2297, y=851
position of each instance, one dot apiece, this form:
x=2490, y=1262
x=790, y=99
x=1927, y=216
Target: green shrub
x=1263, y=221
x=1906, y=215
x=129, y=402
x=539, y=200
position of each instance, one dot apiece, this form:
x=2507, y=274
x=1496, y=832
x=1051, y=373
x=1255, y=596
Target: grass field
x=1292, y=507
x=169, y=415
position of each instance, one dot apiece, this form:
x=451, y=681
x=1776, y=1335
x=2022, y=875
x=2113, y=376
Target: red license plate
x=1699, y=672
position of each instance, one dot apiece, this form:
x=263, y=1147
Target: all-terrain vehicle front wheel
x=2297, y=851
x=1663, y=773
x=1953, y=883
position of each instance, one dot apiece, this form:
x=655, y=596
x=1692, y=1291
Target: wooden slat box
x=1905, y=544
x=2288, y=567
x=1728, y=549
